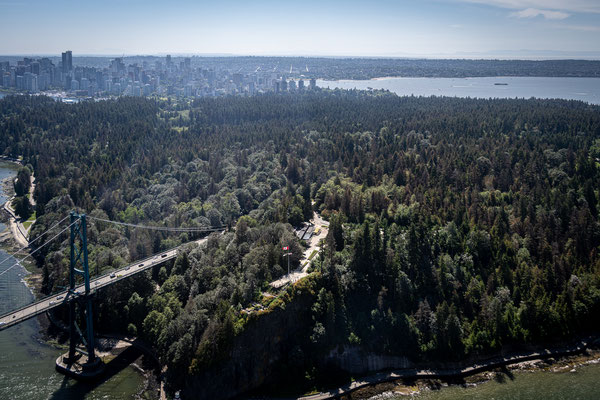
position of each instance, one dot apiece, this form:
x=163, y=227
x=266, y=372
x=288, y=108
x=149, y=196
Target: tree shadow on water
x=74, y=389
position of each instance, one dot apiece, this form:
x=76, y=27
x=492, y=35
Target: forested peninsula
x=457, y=227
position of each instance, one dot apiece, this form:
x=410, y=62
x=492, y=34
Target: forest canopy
x=456, y=226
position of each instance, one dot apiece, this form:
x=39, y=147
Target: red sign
x=286, y=247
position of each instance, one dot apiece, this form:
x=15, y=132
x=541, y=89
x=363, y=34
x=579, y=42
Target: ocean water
x=27, y=363
x=584, y=89
x=583, y=384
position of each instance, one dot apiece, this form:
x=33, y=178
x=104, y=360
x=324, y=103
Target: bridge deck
x=31, y=310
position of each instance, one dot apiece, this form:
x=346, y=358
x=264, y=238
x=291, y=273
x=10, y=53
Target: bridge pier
x=80, y=367
x=78, y=363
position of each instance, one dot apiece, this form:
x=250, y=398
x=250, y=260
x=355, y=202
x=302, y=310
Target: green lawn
x=30, y=221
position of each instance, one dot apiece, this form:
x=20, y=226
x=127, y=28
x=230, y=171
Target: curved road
x=314, y=245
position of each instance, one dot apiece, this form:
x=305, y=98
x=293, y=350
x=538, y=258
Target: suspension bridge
x=80, y=361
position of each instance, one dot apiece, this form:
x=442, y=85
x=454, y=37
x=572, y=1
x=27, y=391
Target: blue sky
x=463, y=28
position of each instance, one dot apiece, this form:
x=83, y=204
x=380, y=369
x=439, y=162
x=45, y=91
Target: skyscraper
x=67, y=61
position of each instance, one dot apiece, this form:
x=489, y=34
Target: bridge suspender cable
x=34, y=240
x=160, y=228
x=35, y=251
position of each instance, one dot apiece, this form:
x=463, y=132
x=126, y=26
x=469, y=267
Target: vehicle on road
x=113, y=275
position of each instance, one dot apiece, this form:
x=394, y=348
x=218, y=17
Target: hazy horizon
x=523, y=29
x=518, y=55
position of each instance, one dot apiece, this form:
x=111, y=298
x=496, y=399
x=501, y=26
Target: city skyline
x=382, y=28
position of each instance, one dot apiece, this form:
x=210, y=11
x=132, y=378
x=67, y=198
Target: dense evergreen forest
x=457, y=226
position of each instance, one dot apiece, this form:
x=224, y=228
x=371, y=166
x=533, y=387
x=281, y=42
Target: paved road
x=20, y=234
x=48, y=303
x=321, y=229
x=18, y=231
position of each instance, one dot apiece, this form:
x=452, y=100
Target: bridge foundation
x=79, y=363
x=80, y=367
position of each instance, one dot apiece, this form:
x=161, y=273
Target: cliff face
x=354, y=360
x=270, y=341
x=274, y=347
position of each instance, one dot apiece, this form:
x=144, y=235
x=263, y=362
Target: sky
x=381, y=28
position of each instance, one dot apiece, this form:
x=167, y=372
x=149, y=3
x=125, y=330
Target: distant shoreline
x=382, y=78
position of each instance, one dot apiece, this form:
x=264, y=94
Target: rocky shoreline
x=108, y=348
x=387, y=385
x=393, y=390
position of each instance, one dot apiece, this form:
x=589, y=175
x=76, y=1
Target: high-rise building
x=313, y=83
x=35, y=68
x=85, y=84
x=117, y=66
x=168, y=61
x=67, y=61
x=46, y=64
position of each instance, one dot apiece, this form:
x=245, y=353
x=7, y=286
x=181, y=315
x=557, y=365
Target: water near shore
x=27, y=363
x=585, y=89
x=582, y=384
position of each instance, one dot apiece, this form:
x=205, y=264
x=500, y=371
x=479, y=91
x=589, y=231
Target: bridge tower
x=77, y=362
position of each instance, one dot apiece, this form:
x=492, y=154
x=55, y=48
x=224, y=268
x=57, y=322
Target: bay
x=584, y=89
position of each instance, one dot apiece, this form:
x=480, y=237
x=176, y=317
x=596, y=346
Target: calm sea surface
x=26, y=363
x=584, y=384
x=585, y=89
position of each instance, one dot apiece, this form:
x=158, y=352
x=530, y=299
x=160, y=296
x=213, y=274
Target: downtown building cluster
x=162, y=76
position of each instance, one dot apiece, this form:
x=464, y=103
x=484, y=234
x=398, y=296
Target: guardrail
x=120, y=274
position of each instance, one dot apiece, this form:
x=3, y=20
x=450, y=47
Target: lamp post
x=286, y=248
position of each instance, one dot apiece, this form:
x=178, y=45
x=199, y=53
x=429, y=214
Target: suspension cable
x=37, y=249
x=34, y=240
x=160, y=228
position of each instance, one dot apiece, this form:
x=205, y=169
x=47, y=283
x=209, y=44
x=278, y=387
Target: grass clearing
x=30, y=221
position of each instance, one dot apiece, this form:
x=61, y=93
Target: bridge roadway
x=31, y=310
